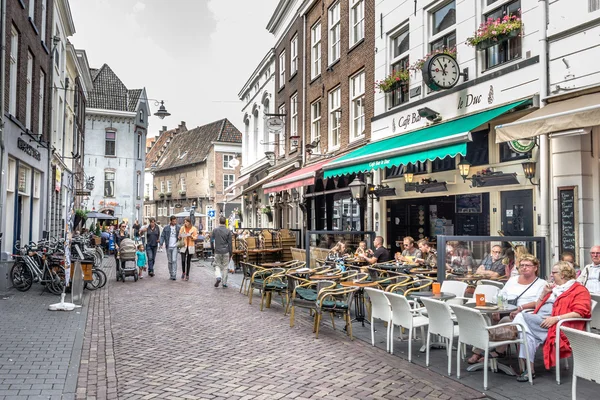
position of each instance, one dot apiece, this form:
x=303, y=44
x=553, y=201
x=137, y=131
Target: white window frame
x=29, y=91
x=334, y=124
x=159, y=212
x=162, y=186
x=183, y=185
x=43, y=24
x=282, y=69
x=12, y=170
x=147, y=191
x=228, y=180
x=107, y=180
x=281, y=139
x=32, y=10
x=434, y=37
x=227, y=158
x=334, y=31
x=315, y=124
x=41, y=103
x=169, y=187
x=315, y=45
x=37, y=184
x=114, y=140
x=171, y=210
x=140, y=148
x=294, y=55
x=357, y=98
x=357, y=21
x=294, y=115
x=13, y=72
x=27, y=181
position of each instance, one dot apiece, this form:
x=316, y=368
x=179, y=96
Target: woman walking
x=119, y=236
x=189, y=234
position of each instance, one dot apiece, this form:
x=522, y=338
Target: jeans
x=186, y=261
x=172, y=258
x=151, y=252
x=221, y=267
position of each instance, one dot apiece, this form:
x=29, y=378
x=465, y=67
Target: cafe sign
x=522, y=146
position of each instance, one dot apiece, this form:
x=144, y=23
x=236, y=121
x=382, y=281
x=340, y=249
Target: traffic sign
x=211, y=213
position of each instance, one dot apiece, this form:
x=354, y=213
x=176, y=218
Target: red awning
x=302, y=177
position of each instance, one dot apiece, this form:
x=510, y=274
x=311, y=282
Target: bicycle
x=31, y=266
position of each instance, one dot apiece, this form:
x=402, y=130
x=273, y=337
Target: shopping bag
x=231, y=266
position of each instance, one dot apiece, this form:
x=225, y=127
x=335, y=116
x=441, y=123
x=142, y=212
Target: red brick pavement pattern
x=189, y=340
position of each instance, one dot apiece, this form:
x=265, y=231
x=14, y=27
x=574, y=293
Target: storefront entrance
x=467, y=214
x=517, y=213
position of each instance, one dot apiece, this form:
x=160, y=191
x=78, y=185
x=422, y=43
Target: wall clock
x=441, y=71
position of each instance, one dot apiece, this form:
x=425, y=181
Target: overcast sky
x=194, y=54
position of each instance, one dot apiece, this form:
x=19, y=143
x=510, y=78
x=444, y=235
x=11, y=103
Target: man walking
x=222, y=249
x=169, y=237
x=152, y=232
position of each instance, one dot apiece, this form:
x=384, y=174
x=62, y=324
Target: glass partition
x=328, y=239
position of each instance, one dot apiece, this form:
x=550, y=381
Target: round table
x=276, y=264
x=325, y=277
x=493, y=308
x=430, y=295
x=423, y=271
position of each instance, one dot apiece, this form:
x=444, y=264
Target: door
x=517, y=213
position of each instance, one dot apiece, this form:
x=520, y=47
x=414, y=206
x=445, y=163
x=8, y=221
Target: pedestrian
x=136, y=231
x=140, y=256
x=222, y=247
x=152, y=232
x=119, y=236
x=168, y=237
x=189, y=234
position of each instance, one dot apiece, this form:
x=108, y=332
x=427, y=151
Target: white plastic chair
x=441, y=324
x=586, y=353
x=380, y=309
x=595, y=322
x=490, y=282
x=474, y=331
x=557, y=343
x=407, y=317
x=491, y=293
x=457, y=288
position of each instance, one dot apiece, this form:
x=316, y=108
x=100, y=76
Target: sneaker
x=524, y=378
x=217, y=282
x=173, y=278
x=182, y=276
x=151, y=274
x=224, y=285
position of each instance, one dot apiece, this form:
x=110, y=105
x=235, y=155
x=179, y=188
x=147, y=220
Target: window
x=171, y=210
x=357, y=21
x=334, y=33
x=444, y=42
x=24, y=176
x=478, y=149
x=226, y=159
x=32, y=10
x=142, y=116
x=43, y=28
x=508, y=154
x=282, y=69
x=294, y=116
x=294, y=55
x=29, y=90
x=282, y=134
x=147, y=192
x=593, y=5
x=14, y=66
x=507, y=50
x=110, y=143
x=399, y=61
x=109, y=184
x=443, y=18
x=315, y=124
x=446, y=164
x=140, y=149
x=228, y=180
x=137, y=185
x=183, y=184
x=335, y=112
x=357, y=106
x=41, y=104
x=10, y=182
x=315, y=43
x=147, y=211
x=169, y=187
x=162, y=187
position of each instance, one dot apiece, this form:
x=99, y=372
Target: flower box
x=161, y=195
x=418, y=65
x=491, y=42
x=182, y=193
x=169, y=194
x=146, y=198
x=393, y=81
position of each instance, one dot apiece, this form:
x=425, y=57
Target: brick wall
x=30, y=39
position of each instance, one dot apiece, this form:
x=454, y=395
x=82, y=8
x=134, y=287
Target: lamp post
x=162, y=111
x=357, y=188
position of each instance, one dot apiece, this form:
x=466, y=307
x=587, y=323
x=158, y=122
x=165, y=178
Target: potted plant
x=495, y=31
x=146, y=198
x=80, y=215
x=182, y=193
x=419, y=63
x=168, y=194
x=161, y=195
x=393, y=81
x=267, y=211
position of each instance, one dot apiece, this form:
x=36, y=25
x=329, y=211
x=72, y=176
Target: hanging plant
x=494, y=31
x=419, y=63
x=393, y=81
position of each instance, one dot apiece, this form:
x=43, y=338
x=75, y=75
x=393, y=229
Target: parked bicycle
x=36, y=264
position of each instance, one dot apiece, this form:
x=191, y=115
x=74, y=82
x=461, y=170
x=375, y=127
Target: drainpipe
x=544, y=188
x=2, y=86
x=304, y=92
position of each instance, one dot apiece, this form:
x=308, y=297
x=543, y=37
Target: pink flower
x=494, y=33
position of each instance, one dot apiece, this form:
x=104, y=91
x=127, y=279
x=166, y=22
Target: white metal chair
x=490, y=282
x=380, y=309
x=407, y=317
x=586, y=353
x=491, y=293
x=474, y=331
x=441, y=324
x=457, y=288
x=595, y=322
x=557, y=343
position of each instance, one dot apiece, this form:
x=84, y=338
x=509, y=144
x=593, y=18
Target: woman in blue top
x=140, y=256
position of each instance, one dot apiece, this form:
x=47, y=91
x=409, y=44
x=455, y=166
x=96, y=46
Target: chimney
x=181, y=127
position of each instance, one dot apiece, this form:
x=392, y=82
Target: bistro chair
x=247, y=271
x=334, y=301
x=405, y=316
x=595, y=322
x=586, y=353
x=382, y=310
x=457, y=288
x=275, y=282
x=498, y=284
x=490, y=292
x=440, y=323
x=304, y=293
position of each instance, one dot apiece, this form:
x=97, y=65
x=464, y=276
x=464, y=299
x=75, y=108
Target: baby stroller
x=127, y=251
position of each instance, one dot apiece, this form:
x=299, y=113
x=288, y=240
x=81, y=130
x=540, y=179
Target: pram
x=127, y=253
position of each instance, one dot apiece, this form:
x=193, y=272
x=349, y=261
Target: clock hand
x=443, y=69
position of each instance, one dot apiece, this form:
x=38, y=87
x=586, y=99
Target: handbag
x=502, y=333
x=180, y=243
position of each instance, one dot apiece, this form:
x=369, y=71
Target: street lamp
x=162, y=111
x=357, y=188
x=463, y=169
x=529, y=171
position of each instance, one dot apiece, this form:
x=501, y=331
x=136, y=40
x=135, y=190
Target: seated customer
x=590, y=274
x=428, y=254
x=380, y=255
x=459, y=259
x=565, y=298
x=362, y=249
x=337, y=252
x=492, y=266
x=410, y=252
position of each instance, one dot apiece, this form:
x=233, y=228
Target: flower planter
x=182, y=194
x=168, y=194
x=161, y=195
x=394, y=86
x=491, y=42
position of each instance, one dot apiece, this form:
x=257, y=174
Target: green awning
x=437, y=141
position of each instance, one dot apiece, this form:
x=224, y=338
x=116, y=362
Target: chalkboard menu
x=567, y=218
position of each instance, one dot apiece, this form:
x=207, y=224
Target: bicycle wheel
x=103, y=277
x=57, y=285
x=95, y=282
x=21, y=277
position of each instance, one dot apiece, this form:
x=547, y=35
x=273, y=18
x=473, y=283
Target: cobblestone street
x=187, y=340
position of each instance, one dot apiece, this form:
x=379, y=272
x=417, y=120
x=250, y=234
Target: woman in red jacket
x=565, y=298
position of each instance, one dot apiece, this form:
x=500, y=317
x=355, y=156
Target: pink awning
x=302, y=177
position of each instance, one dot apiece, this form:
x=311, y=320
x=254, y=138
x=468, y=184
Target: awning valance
x=272, y=175
x=575, y=113
x=302, y=177
x=437, y=141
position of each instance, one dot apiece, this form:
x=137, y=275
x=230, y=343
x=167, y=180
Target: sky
x=194, y=54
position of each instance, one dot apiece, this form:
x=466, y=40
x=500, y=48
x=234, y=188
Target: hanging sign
x=274, y=124
x=58, y=179
x=522, y=146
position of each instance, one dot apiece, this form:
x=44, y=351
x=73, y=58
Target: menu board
x=567, y=219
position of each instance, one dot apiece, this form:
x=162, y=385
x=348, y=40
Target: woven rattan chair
x=586, y=353
x=247, y=271
x=275, y=282
x=304, y=293
x=334, y=301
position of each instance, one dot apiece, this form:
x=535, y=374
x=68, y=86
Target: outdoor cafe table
x=329, y=277
x=276, y=264
x=440, y=296
x=359, y=299
x=489, y=309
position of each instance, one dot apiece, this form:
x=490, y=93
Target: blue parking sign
x=211, y=213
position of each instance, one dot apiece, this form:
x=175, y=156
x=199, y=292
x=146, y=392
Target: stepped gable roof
x=110, y=93
x=194, y=145
x=161, y=144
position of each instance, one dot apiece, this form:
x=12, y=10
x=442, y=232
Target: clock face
x=441, y=72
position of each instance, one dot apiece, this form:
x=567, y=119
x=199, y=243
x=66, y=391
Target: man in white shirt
x=590, y=274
